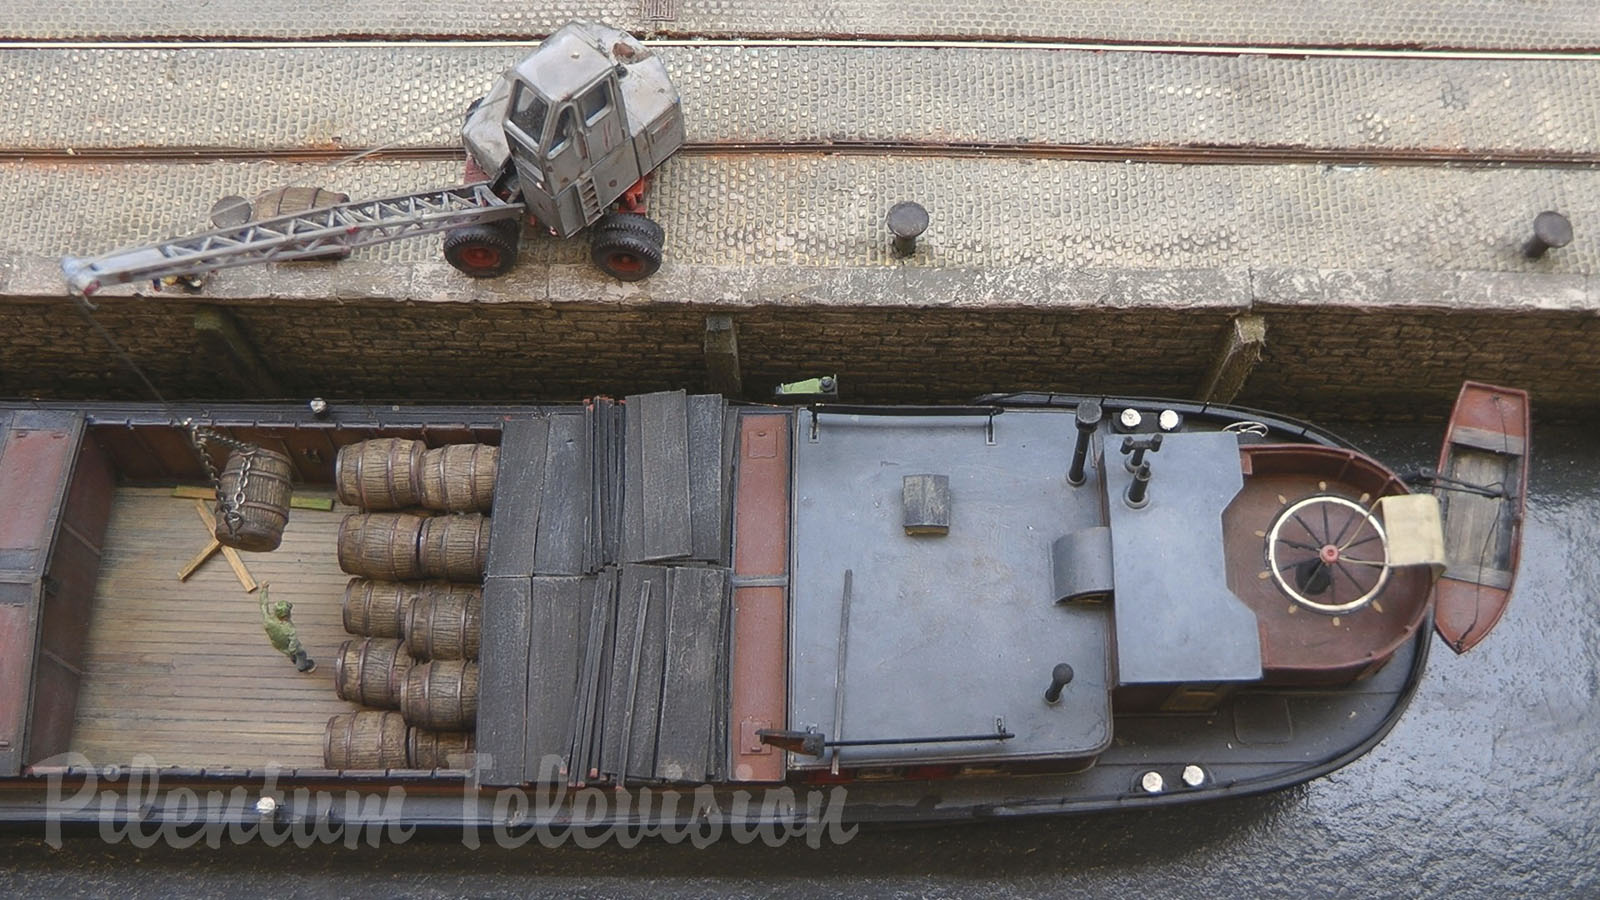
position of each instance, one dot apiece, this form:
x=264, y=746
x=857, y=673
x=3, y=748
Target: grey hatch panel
x=1176, y=619
x=946, y=632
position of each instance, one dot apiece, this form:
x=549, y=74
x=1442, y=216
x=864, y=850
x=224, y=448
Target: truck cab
x=566, y=139
x=577, y=125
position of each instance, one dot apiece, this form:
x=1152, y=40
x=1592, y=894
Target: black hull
x=1256, y=741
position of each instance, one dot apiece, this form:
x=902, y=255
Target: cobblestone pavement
x=987, y=214
x=1489, y=24
x=1382, y=285
x=413, y=96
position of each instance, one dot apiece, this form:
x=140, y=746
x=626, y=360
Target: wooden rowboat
x=1482, y=484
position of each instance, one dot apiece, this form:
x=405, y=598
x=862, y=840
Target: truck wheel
x=481, y=251
x=639, y=224
x=625, y=254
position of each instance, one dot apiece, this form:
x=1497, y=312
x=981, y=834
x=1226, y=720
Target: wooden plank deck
x=183, y=672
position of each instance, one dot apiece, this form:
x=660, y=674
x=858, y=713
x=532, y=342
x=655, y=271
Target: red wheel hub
x=480, y=257
x=626, y=262
x=1329, y=554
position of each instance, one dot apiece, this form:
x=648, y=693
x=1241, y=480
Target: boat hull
x=1254, y=738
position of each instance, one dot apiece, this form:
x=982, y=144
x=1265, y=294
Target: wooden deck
x=182, y=671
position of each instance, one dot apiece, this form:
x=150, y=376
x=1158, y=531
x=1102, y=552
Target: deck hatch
x=1080, y=563
x=566, y=534
x=559, y=608
x=503, y=679
x=518, y=495
x=675, y=489
x=925, y=504
x=946, y=634
x=1176, y=619
x=656, y=521
x=590, y=669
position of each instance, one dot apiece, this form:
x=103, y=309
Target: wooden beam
x=228, y=553
x=1237, y=354
x=722, y=356
x=234, y=356
x=193, y=564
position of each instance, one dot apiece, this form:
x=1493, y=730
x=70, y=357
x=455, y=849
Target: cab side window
x=563, y=135
x=595, y=102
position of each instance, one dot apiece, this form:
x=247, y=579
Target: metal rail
x=319, y=232
x=1382, y=51
x=1176, y=154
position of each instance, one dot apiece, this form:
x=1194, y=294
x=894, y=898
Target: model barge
x=1032, y=604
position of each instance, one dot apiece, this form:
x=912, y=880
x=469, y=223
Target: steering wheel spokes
x=1330, y=554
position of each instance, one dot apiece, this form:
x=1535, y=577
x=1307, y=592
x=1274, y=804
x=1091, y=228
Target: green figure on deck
x=280, y=631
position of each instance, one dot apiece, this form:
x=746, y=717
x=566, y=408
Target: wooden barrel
x=380, y=545
x=384, y=473
x=460, y=477
x=445, y=622
x=371, y=672
x=453, y=547
x=377, y=608
x=264, y=475
x=369, y=739
x=441, y=695
x=288, y=200
x=439, y=749
x=285, y=200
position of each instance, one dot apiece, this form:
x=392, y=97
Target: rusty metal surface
x=17, y=630
x=67, y=600
x=37, y=449
x=1416, y=23
x=759, y=664
x=33, y=463
x=1298, y=645
x=355, y=97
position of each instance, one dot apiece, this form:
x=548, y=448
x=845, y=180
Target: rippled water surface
x=1487, y=787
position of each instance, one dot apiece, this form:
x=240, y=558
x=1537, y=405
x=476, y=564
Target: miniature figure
x=281, y=631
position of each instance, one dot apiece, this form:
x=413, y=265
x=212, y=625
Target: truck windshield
x=528, y=111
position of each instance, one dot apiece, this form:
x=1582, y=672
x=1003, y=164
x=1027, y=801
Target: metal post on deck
x=1087, y=419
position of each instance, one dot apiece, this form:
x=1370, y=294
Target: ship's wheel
x=1329, y=554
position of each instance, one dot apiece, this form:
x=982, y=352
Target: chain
x=230, y=507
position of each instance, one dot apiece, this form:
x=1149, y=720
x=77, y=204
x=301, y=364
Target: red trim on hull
x=760, y=614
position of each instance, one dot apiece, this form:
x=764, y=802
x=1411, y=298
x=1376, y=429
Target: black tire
x=488, y=250
x=625, y=254
x=638, y=224
x=511, y=228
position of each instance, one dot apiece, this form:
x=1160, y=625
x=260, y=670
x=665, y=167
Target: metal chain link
x=229, y=507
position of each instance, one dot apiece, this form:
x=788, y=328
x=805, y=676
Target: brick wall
x=1398, y=362
x=509, y=352
x=1392, y=363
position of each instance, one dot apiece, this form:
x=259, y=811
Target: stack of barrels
x=417, y=551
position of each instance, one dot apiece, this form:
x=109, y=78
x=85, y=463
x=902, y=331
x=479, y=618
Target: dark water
x=1488, y=787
